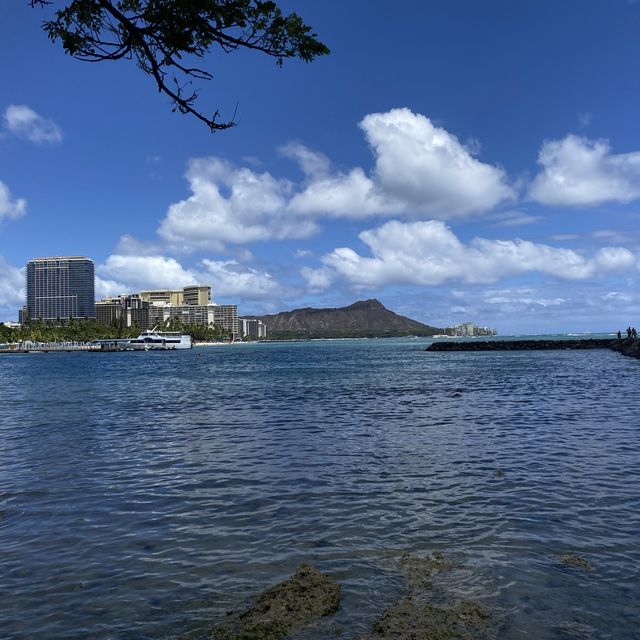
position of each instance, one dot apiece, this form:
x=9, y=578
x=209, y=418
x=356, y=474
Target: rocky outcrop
x=422, y=614
x=627, y=347
x=309, y=594
x=412, y=618
x=367, y=318
x=573, y=560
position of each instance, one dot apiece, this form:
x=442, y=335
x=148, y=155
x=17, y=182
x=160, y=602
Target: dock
x=46, y=347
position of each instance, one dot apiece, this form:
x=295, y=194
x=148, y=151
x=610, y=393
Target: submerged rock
x=418, y=570
x=410, y=619
x=418, y=617
x=289, y=605
x=572, y=560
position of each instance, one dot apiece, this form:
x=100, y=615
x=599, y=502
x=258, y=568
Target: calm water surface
x=143, y=495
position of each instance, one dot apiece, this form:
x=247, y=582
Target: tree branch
x=160, y=33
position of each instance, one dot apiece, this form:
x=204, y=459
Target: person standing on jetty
x=619, y=335
x=634, y=333
x=628, y=332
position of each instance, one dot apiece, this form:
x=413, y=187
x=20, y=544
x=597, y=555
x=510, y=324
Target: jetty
x=46, y=347
x=626, y=346
x=99, y=346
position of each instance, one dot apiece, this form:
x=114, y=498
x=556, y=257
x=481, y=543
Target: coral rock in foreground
x=289, y=605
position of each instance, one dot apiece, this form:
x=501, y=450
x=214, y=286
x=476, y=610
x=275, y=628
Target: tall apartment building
x=60, y=287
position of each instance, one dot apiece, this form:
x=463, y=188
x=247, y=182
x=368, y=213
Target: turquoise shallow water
x=143, y=495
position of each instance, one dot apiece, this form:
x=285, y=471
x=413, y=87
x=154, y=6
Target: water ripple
x=142, y=496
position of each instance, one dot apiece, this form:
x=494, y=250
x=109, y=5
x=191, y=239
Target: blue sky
x=461, y=160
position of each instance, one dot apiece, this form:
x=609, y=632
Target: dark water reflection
x=145, y=494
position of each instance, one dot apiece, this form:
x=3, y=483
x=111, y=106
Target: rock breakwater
x=627, y=347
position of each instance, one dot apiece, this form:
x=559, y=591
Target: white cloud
x=126, y=273
x=563, y=237
x=420, y=170
x=613, y=259
x=585, y=119
x=612, y=235
x=473, y=146
x=351, y=195
x=105, y=288
x=585, y=306
x=230, y=278
x=311, y=162
x=551, y=307
x=618, y=296
x=230, y=205
x=10, y=208
x=145, y=272
x=428, y=253
x=514, y=219
x=129, y=245
x=24, y=122
x=318, y=280
x=427, y=168
x=11, y=288
x=578, y=171
x=243, y=255
x=515, y=300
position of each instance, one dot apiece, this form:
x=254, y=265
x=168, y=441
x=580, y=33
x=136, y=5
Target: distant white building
x=252, y=328
x=468, y=329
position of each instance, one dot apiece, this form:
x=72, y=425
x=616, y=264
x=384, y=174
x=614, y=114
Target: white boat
x=154, y=339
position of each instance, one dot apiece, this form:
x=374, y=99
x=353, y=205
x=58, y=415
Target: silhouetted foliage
x=165, y=37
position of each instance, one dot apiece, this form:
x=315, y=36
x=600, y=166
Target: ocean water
x=144, y=495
